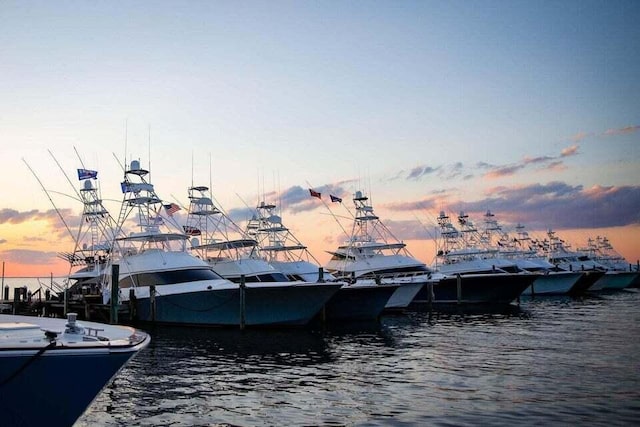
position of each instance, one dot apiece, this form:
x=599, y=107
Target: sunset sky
x=529, y=109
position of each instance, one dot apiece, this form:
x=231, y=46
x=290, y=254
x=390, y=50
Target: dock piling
x=113, y=307
x=152, y=302
x=242, y=301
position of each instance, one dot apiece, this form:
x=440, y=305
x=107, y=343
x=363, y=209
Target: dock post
x=113, y=304
x=459, y=287
x=152, y=302
x=133, y=314
x=320, y=275
x=6, y=293
x=16, y=299
x=242, y=302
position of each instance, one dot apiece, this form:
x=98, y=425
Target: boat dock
x=38, y=303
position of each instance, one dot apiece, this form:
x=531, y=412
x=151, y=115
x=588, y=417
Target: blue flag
x=335, y=198
x=87, y=174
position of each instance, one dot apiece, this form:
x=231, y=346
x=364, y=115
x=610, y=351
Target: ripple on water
x=549, y=361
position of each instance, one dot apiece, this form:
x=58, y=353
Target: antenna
x=126, y=136
x=149, y=153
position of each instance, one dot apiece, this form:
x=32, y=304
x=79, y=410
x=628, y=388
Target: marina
x=309, y=213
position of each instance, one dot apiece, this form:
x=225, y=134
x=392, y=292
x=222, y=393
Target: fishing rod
x=50, y=199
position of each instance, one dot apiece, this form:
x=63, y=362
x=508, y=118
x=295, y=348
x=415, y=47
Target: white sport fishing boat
x=52, y=369
x=236, y=256
x=520, y=250
x=354, y=301
x=619, y=274
x=473, y=274
x=559, y=254
x=373, y=255
x=281, y=248
x=163, y=283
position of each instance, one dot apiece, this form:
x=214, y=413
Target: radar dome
x=135, y=165
x=88, y=185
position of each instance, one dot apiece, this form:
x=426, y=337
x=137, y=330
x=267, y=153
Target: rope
x=18, y=371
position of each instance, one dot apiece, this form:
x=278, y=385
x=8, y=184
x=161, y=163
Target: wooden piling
x=133, y=313
x=242, y=302
x=459, y=287
x=16, y=300
x=113, y=303
x=152, y=302
x=320, y=275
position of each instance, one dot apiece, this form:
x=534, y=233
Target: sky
x=528, y=109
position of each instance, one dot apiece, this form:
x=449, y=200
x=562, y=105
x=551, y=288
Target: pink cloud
x=579, y=136
x=622, y=131
x=503, y=171
x=555, y=166
x=570, y=151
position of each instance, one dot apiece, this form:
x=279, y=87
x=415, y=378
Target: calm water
x=552, y=361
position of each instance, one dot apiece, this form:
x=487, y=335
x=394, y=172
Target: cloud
x=297, y=199
x=579, y=136
x=419, y=172
x=12, y=216
x=556, y=166
x=559, y=205
x=241, y=215
x=452, y=171
x=544, y=163
x=428, y=203
x=502, y=171
x=570, y=151
x=29, y=257
x=622, y=131
x=536, y=160
x=409, y=230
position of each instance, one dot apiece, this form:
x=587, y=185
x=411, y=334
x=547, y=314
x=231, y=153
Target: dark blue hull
x=53, y=390
x=260, y=306
x=588, y=279
x=477, y=289
x=358, y=302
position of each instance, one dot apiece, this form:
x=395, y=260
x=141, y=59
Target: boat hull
x=613, y=280
x=586, y=282
x=476, y=289
x=358, y=302
x=54, y=390
x=291, y=305
x=403, y=296
x=553, y=283
x=50, y=379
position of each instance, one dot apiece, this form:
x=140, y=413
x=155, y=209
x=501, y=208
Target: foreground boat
x=52, y=369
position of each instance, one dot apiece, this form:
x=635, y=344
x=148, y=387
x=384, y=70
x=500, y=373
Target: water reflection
x=550, y=360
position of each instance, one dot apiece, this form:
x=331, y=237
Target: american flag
x=171, y=208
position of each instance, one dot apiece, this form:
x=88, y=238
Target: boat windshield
x=169, y=277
